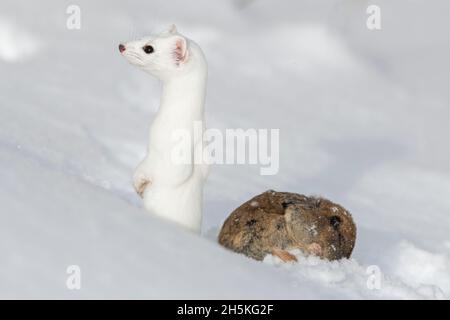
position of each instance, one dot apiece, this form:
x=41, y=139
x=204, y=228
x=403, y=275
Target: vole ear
x=181, y=51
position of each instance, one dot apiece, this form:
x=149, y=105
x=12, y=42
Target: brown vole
x=275, y=222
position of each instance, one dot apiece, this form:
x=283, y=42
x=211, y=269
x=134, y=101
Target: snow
x=362, y=117
x=16, y=44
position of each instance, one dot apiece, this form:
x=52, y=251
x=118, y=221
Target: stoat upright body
x=172, y=188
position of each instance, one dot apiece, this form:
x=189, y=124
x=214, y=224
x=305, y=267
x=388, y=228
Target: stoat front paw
x=140, y=182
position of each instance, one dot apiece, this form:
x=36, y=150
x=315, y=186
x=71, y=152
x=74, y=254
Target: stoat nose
x=121, y=48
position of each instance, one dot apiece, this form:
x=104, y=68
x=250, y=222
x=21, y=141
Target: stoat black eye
x=148, y=49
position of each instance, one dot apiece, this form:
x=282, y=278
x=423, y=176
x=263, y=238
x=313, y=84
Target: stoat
x=170, y=188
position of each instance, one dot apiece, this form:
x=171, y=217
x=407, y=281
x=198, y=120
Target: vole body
x=276, y=222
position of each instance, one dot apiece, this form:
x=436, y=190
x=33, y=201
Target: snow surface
x=363, y=118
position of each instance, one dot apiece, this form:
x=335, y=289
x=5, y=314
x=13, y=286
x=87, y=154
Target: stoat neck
x=183, y=97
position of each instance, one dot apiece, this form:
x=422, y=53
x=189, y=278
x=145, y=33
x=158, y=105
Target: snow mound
x=347, y=278
x=16, y=43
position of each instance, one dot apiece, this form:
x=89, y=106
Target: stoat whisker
x=134, y=55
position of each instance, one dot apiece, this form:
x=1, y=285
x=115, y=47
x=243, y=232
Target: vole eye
x=335, y=221
x=148, y=49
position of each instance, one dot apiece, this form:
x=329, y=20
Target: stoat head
x=165, y=55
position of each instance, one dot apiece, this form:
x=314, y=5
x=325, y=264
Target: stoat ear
x=173, y=29
x=181, y=51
